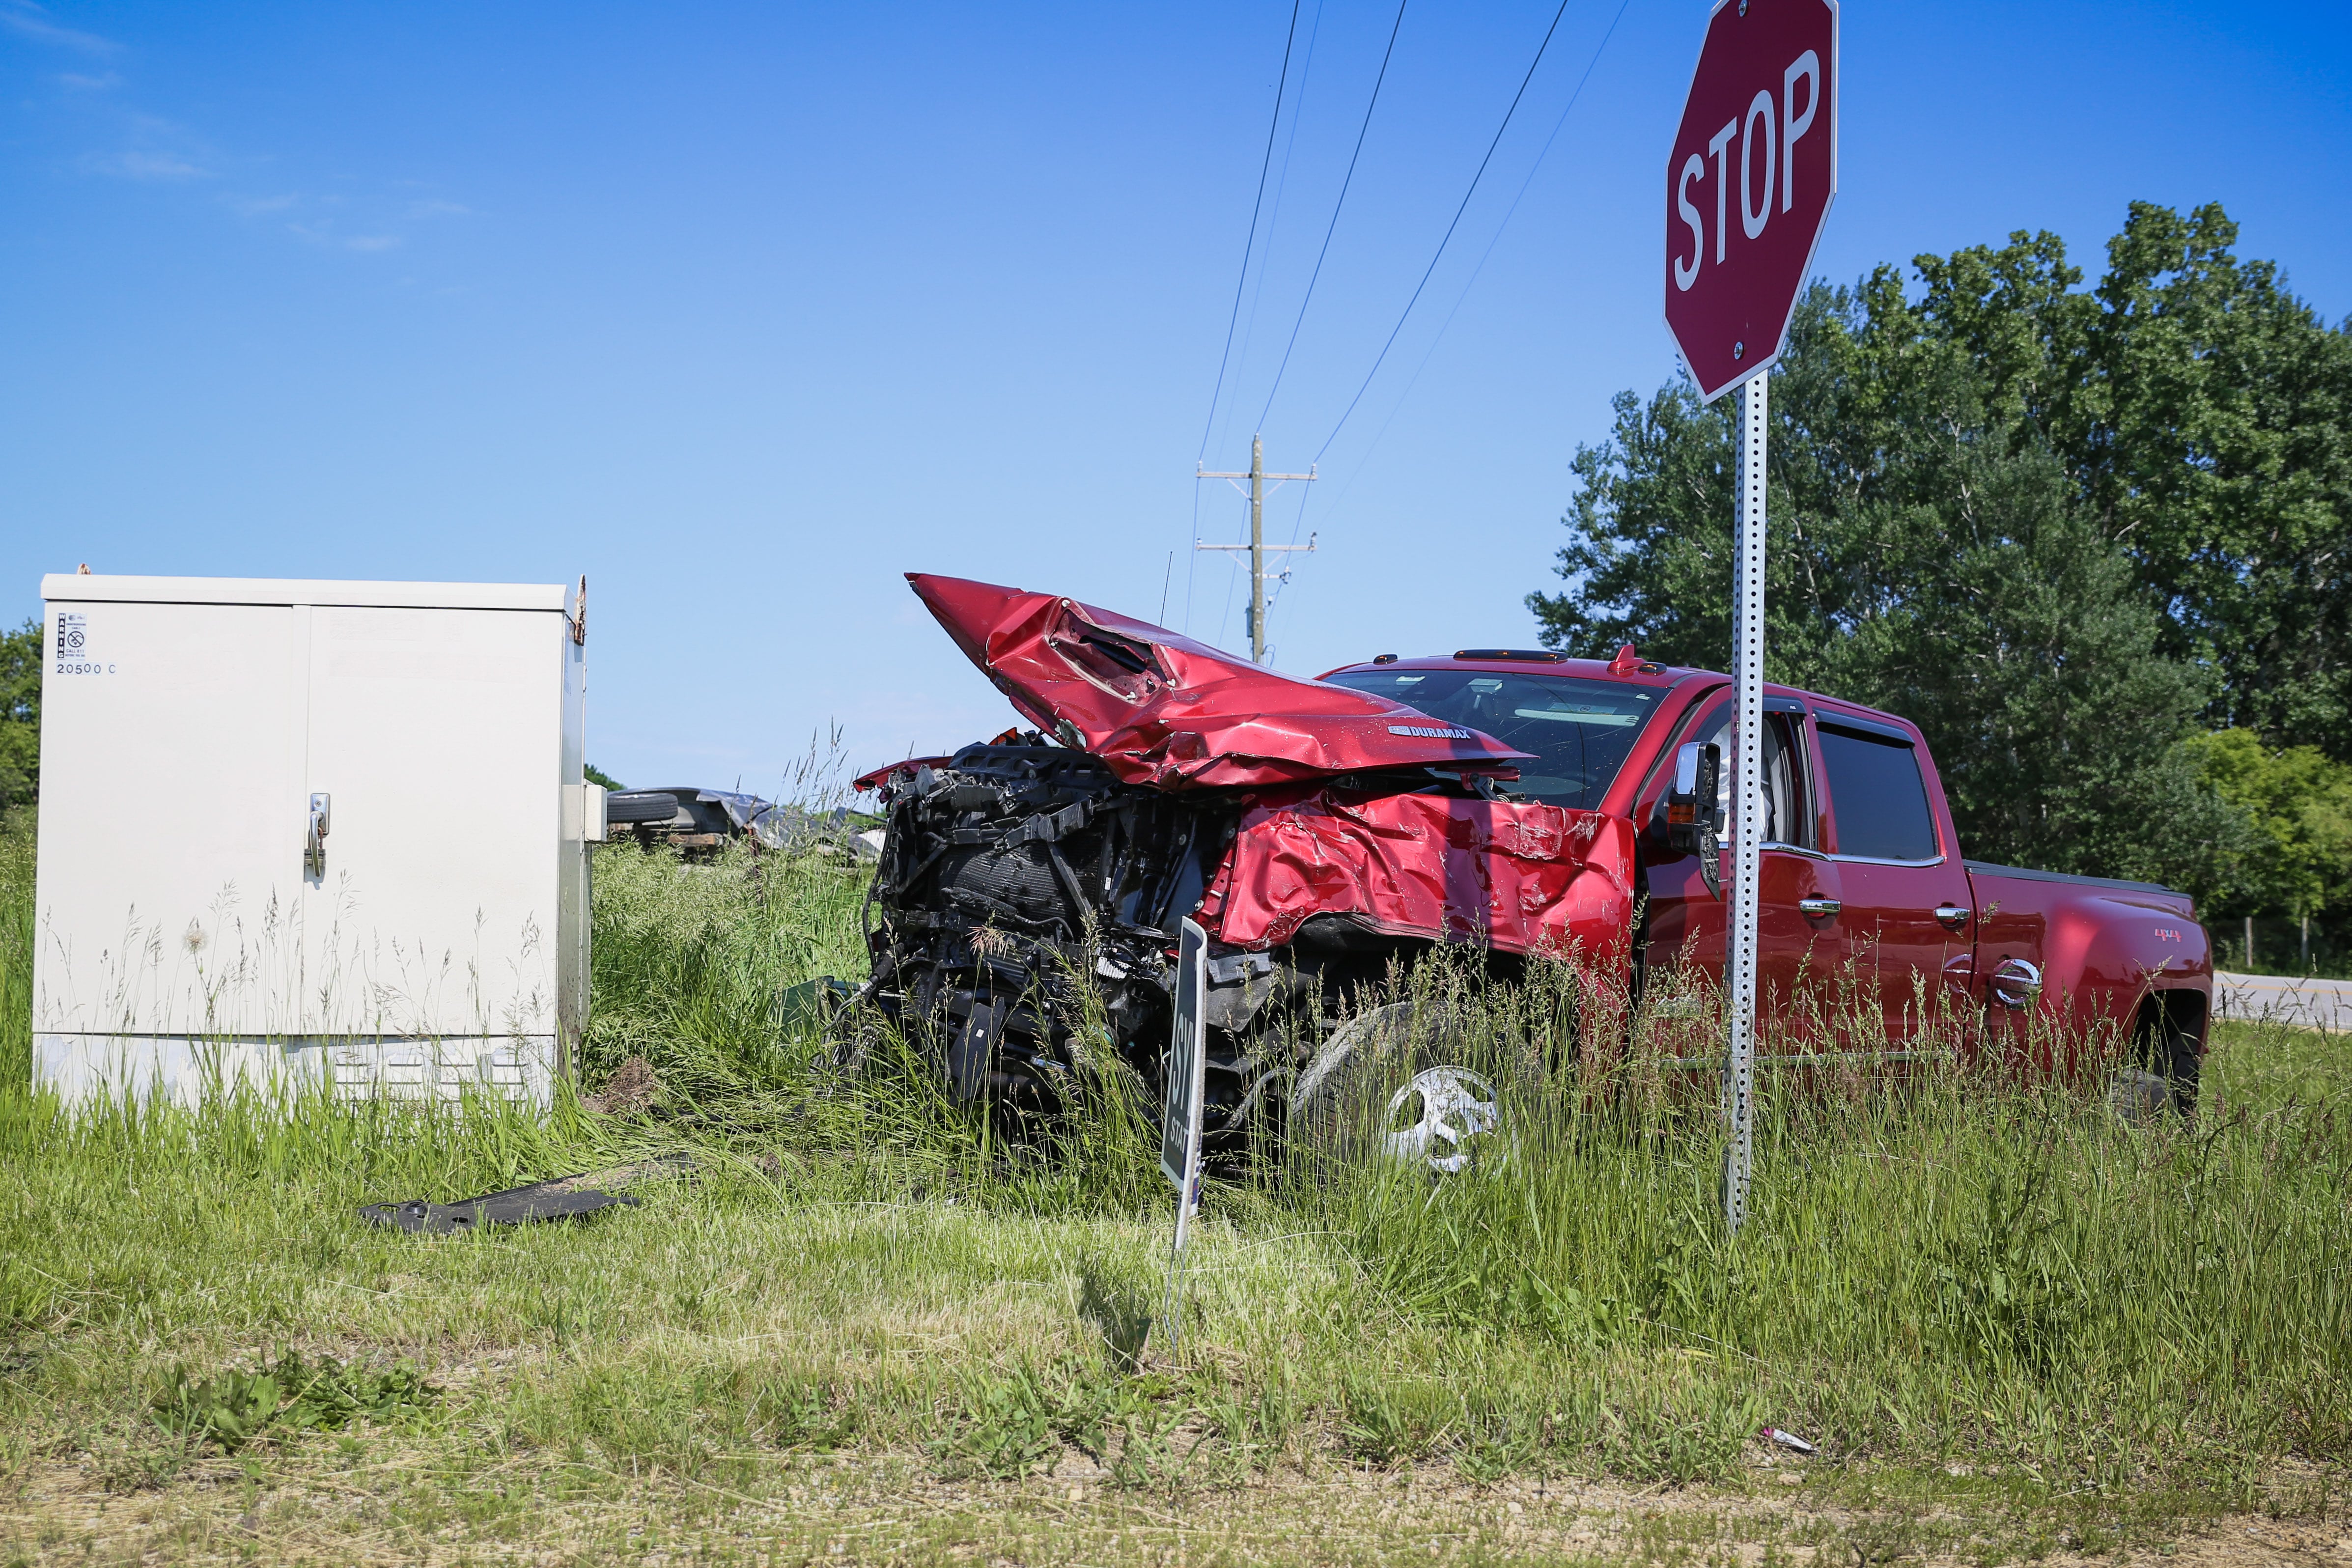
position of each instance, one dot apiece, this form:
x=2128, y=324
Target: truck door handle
x=1953, y=915
x=1820, y=909
x=2017, y=983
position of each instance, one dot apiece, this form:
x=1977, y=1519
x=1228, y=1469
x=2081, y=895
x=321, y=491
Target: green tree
x=1938, y=549
x=2205, y=414
x=20, y=714
x=2299, y=804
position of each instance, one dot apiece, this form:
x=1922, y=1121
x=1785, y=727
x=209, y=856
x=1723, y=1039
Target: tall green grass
x=16, y=847
x=1962, y=1262
x=689, y=960
x=1959, y=1266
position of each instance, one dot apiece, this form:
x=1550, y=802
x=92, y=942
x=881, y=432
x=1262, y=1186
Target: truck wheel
x=2180, y=1064
x=1391, y=1082
x=2160, y=1073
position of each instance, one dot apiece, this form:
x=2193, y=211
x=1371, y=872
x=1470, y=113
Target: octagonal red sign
x=1753, y=170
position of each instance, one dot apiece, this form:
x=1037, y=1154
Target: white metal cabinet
x=188, y=936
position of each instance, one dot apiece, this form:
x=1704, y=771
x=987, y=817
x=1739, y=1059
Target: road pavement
x=2312, y=1004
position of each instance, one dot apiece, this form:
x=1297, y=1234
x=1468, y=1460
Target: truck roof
x=1634, y=672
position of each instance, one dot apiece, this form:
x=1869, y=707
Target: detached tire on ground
x=1392, y=1082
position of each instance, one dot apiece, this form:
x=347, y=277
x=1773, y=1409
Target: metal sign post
x=1186, y=1066
x=1746, y=803
x=1758, y=142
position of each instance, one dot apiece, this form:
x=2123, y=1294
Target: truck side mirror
x=1690, y=803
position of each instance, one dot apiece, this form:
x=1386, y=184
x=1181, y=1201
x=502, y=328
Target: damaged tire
x=1391, y=1082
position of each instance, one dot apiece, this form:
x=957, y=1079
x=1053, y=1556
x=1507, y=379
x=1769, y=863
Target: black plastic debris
x=517, y=1206
x=813, y=1003
x=565, y=1197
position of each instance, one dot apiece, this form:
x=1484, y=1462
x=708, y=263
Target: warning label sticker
x=75, y=656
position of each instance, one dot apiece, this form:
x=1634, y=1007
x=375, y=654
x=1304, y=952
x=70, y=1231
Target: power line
x=1249, y=244
x=1189, y=557
x=1484, y=257
x=1282, y=581
x=1196, y=533
x=1396, y=27
x=1450, y=227
x=1281, y=189
x=1508, y=213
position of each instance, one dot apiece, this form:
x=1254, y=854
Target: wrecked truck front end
x=1013, y=877
x=1320, y=834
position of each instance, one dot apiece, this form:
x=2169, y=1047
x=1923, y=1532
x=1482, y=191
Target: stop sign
x=1753, y=170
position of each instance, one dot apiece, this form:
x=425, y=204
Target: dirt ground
x=335, y=1508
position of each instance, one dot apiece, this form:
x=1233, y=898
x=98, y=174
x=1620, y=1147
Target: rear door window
x=1877, y=798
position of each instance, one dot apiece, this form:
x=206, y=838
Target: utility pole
x=1257, y=546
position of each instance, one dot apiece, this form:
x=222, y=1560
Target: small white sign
x=1187, y=1065
x=1179, y=1121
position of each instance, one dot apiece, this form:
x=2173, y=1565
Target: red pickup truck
x=1518, y=802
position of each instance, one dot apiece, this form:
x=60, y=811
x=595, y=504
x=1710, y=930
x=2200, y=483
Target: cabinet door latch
x=314, y=843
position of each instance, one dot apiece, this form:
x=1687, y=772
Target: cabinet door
x=171, y=824
x=435, y=736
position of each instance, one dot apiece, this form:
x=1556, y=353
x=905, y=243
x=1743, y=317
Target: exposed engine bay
x=1016, y=871
x=1322, y=836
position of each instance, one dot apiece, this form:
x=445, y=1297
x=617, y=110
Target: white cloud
x=157, y=151
x=26, y=21
x=137, y=166
x=324, y=234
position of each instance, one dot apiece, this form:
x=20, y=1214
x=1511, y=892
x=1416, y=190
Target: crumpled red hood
x=1169, y=712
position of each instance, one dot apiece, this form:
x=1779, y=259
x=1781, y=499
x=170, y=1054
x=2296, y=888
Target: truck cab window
x=1786, y=818
x=1876, y=797
x=1580, y=731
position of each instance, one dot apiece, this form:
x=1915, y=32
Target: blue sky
x=744, y=311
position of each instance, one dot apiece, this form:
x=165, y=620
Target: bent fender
x=1517, y=877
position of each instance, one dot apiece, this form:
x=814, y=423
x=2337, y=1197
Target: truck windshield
x=1579, y=731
